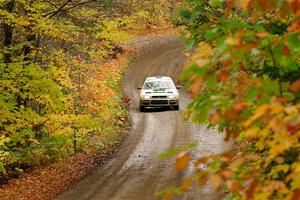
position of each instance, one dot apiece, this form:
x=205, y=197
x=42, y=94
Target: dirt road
x=135, y=173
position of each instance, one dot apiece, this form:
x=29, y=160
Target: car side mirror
x=178, y=87
x=139, y=88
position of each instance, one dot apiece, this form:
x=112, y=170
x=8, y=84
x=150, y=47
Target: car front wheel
x=142, y=109
x=176, y=107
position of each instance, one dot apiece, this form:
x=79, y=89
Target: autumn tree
x=245, y=81
x=46, y=56
x=60, y=90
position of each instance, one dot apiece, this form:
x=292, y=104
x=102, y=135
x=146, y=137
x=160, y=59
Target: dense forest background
x=60, y=90
x=61, y=65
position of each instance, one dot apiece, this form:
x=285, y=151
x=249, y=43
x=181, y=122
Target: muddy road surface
x=135, y=173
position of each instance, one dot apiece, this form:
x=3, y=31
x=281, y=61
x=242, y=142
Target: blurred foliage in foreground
x=245, y=81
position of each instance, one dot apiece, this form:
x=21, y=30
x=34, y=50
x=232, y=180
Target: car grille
x=159, y=102
x=159, y=97
x=173, y=102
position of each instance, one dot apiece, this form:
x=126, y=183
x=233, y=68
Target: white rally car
x=159, y=91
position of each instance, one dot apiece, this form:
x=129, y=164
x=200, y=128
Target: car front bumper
x=159, y=102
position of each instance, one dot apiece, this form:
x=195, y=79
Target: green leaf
x=169, y=153
x=211, y=82
x=251, y=94
x=2, y=168
x=216, y=3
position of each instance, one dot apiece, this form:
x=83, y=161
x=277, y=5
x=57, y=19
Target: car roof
x=152, y=78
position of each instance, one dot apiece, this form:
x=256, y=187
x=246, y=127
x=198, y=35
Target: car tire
x=176, y=107
x=142, y=109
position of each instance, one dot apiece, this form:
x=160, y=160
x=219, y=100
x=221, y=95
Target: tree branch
x=77, y=5
x=52, y=14
x=8, y=32
x=278, y=68
x=63, y=7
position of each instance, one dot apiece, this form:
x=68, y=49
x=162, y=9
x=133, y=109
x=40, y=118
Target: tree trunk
x=8, y=32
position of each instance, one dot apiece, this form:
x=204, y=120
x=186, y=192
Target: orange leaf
x=214, y=118
x=201, y=160
x=186, y=184
x=295, y=5
x=227, y=174
x=202, y=180
x=296, y=195
x=291, y=127
x=279, y=160
x=229, y=5
x=248, y=46
x=295, y=86
x=230, y=113
x=168, y=196
x=227, y=62
x=227, y=137
x=285, y=50
x=240, y=106
x=281, y=99
x=235, y=134
x=182, y=161
x=223, y=76
x=196, y=86
x=295, y=26
x=215, y=180
x=250, y=190
x=234, y=186
x=265, y=4
x=213, y=19
x=244, y=4
x=262, y=34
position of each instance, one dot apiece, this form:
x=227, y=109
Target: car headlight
x=172, y=97
x=145, y=97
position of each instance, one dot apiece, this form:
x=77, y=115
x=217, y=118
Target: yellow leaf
x=276, y=170
x=276, y=108
x=277, y=125
x=279, y=145
x=252, y=132
x=260, y=111
x=233, y=41
x=187, y=54
x=201, y=62
x=215, y=180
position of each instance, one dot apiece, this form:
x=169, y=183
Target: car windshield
x=157, y=85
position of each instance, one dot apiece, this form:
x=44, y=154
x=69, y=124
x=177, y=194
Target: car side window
x=148, y=85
